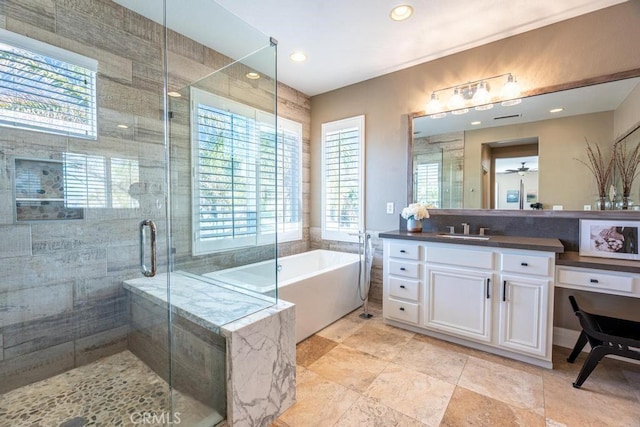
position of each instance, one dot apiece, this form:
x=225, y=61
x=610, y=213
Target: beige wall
x=627, y=115
x=591, y=45
x=560, y=143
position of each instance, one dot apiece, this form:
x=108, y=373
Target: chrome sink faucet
x=465, y=228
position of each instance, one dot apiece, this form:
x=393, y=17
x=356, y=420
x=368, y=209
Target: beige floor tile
x=608, y=377
x=586, y=407
x=468, y=408
x=506, y=384
x=349, y=367
x=505, y=361
x=319, y=402
x=370, y=413
x=633, y=378
x=312, y=349
x=381, y=341
x=432, y=360
x=341, y=329
x=412, y=393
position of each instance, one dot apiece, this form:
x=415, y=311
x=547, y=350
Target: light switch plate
x=390, y=207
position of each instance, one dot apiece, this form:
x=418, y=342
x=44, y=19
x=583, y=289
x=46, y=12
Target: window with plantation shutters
x=246, y=175
x=427, y=182
x=342, y=179
x=45, y=88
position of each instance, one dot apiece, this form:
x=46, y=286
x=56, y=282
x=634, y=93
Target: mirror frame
x=635, y=72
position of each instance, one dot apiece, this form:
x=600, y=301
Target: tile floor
x=360, y=372
x=118, y=390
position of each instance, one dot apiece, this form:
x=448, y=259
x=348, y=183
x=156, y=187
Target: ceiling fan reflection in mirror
x=521, y=170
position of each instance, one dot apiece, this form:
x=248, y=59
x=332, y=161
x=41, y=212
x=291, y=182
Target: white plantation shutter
x=246, y=176
x=45, y=88
x=342, y=178
x=428, y=183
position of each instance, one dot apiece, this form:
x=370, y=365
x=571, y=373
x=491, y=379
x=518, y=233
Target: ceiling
x=354, y=40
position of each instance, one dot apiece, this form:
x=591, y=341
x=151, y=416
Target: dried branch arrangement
x=627, y=162
x=600, y=167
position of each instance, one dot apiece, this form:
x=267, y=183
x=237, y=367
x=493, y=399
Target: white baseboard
x=567, y=338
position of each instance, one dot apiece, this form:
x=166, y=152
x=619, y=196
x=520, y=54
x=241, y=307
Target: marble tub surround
x=261, y=365
x=455, y=386
x=215, y=343
x=198, y=300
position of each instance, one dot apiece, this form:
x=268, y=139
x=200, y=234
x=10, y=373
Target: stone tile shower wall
x=61, y=299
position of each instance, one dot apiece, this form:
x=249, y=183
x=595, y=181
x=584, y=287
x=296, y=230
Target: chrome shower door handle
x=152, y=228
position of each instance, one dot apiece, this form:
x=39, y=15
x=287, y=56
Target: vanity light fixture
x=123, y=126
x=174, y=94
x=252, y=75
x=477, y=94
x=298, y=57
x=401, y=12
x=556, y=110
x=476, y=123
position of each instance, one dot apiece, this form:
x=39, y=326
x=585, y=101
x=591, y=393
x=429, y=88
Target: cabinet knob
x=401, y=308
x=402, y=269
x=524, y=264
x=594, y=280
x=402, y=251
x=402, y=286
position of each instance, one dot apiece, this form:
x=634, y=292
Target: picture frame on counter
x=609, y=239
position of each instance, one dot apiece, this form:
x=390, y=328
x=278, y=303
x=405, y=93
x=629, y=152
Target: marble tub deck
x=360, y=372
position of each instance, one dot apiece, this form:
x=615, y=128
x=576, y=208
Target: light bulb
x=482, y=97
x=434, y=106
x=456, y=102
x=511, y=88
x=401, y=12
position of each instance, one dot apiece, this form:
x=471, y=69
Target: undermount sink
x=464, y=236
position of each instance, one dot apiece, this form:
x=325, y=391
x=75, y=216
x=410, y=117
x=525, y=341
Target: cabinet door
x=459, y=302
x=523, y=314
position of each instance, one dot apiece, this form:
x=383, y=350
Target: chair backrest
x=588, y=321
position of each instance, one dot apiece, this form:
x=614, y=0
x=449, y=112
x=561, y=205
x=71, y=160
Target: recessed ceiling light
x=123, y=126
x=477, y=122
x=401, y=12
x=298, y=56
x=174, y=94
x=252, y=75
x=556, y=110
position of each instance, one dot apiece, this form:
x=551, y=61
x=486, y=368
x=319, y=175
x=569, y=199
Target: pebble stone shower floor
x=115, y=391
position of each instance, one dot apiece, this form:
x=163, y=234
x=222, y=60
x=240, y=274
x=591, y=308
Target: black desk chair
x=606, y=335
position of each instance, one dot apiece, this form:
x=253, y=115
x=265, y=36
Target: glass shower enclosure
x=137, y=161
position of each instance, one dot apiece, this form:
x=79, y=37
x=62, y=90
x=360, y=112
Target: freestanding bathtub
x=322, y=284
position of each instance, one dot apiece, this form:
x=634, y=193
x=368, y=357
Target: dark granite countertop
x=573, y=259
x=510, y=242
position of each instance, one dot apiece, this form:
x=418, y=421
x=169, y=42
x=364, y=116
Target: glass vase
x=627, y=203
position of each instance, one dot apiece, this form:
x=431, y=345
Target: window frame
x=337, y=126
x=207, y=246
x=58, y=54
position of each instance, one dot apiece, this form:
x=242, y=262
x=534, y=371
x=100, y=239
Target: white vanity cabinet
x=496, y=299
x=402, y=281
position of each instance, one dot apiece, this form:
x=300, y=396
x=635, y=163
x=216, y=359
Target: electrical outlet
x=390, y=207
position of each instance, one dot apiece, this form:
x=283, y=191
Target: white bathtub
x=322, y=284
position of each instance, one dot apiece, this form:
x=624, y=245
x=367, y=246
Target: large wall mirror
x=511, y=157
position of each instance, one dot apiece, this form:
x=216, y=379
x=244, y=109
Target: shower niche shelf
x=39, y=191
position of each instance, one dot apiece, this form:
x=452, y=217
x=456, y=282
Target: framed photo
x=513, y=196
x=609, y=239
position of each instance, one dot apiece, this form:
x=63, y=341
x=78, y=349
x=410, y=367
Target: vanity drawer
x=404, y=251
x=403, y=288
x=460, y=257
x=406, y=269
x=527, y=264
x=594, y=279
x=400, y=310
